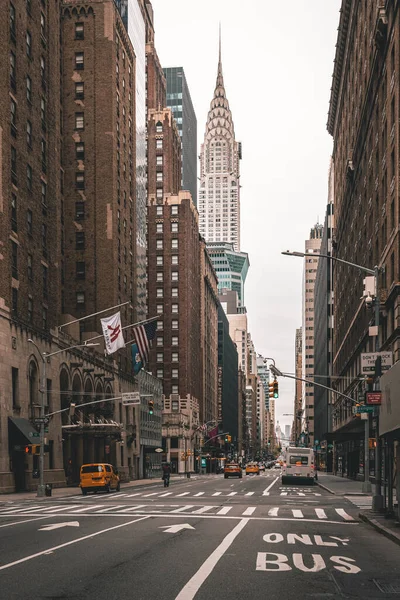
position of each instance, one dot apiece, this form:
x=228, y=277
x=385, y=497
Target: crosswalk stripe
x=109, y=508
x=200, y=494
x=203, y=509
x=297, y=514
x=184, y=494
x=232, y=494
x=344, y=514
x=321, y=514
x=284, y=493
x=273, y=512
x=249, y=493
x=301, y=494
x=81, y=510
x=136, y=494
x=152, y=494
x=17, y=510
x=131, y=508
x=217, y=494
x=182, y=508
x=167, y=494
x=224, y=510
x=249, y=511
x=55, y=510
x=119, y=495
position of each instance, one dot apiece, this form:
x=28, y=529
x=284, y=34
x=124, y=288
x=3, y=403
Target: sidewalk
x=340, y=486
x=389, y=527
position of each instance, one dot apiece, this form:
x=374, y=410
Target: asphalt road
x=202, y=538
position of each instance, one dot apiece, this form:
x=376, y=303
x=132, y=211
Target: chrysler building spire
x=219, y=197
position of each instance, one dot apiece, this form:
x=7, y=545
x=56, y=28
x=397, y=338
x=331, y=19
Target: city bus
x=298, y=465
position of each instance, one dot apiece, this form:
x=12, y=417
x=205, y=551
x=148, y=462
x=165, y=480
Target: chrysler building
x=219, y=195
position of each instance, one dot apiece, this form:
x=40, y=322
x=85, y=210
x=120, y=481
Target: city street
x=203, y=537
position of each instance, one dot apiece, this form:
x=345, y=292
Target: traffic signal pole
x=41, y=487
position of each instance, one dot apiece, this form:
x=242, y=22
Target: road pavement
x=201, y=538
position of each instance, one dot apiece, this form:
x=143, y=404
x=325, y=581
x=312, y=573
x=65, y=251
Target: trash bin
x=48, y=489
x=188, y=475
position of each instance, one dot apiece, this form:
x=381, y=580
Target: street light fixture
x=44, y=356
x=377, y=500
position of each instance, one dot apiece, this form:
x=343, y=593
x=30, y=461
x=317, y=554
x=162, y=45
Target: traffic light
x=32, y=449
x=273, y=389
x=151, y=407
x=228, y=439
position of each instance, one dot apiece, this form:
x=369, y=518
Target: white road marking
x=80, y=510
x=137, y=494
x=216, y=494
x=203, y=509
x=85, y=537
x=249, y=511
x=54, y=510
x=26, y=521
x=152, y=494
x=9, y=511
x=224, y=510
x=182, y=508
x=184, y=494
x=273, y=512
x=297, y=514
x=249, y=493
x=343, y=513
x=199, y=494
x=167, y=494
x=232, y=494
x=137, y=507
x=53, y=526
x=190, y=590
x=321, y=514
x=103, y=510
x=266, y=491
x=284, y=493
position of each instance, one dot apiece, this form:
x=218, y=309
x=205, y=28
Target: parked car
x=277, y=465
x=261, y=466
x=99, y=476
x=232, y=470
x=252, y=467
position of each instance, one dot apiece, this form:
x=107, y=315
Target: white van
x=298, y=464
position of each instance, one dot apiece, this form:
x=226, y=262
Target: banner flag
x=112, y=331
x=143, y=335
x=136, y=359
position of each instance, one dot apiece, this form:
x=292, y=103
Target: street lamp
x=44, y=356
x=377, y=501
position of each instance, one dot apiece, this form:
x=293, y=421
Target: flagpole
x=93, y=315
x=126, y=327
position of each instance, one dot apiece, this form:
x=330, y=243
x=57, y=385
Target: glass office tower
x=180, y=102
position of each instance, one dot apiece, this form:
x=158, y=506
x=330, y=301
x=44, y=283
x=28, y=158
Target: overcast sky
x=277, y=60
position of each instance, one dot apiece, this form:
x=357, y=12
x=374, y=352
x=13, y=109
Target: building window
x=79, y=31
x=44, y=317
x=175, y=373
x=79, y=90
x=160, y=357
x=174, y=389
x=159, y=144
x=159, y=244
x=43, y=71
x=13, y=71
x=29, y=89
x=174, y=210
x=80, y=272
x=43, y=113
x=80, y=240
x=29, y=133
x=174, y=308
x=15, y=300
x=159, y=176
x=43, y=27
x=160, y=373
x=28, y=44
x=79, y=120
x=174, y=340
x=13, y=110
x=29, y=222
x=44, y=193
x=43, y=147
x=159, y=260
x=14, y=224
x=160, y=276
x=174, y=275
x=80, y=299
x=30, y=310
x=15, y=387
x=79, y=211
x=14, y=260
x=80, y=181
x=79, y=61
x=159, y=127
x=80, y=150
x=160, y=309
x=160, y=292
x=174, y=259
x=174, y=292
x=44, y=239
x=174, y=357
x=174, y=244
x=174, y=227
x=13, y=165
x=159, y=194
x=159, y=211
x=12, y=22
x=174, y=324
x=159, y=160
x=45, y=281
x=159, y=227
x=29, y=177
x=30, y=267
x=160, y=325
x=160, y=341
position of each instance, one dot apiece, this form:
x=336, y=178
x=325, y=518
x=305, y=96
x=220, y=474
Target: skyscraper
x=180, y=102
x=219, y=194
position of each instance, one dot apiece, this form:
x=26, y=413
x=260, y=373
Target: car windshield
x=303, y=460
x=92, y=469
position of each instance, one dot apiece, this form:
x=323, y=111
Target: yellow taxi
x=99, y=476
x=252, y=467
x=233, y=470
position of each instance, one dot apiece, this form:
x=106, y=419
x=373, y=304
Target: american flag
x=143, y=334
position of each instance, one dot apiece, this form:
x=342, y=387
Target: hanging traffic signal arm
x=151, y=407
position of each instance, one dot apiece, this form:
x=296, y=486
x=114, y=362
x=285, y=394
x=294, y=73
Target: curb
x=392, y=535
x=325, y=488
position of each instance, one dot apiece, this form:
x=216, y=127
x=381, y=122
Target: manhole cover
x=388, y=587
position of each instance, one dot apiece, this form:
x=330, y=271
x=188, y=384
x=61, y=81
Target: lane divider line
x=266, y=491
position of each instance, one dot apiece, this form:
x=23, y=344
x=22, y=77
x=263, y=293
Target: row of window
x=174, y=210
x=160, y=260
x=174, y=309
x=174, y=375
x=14, y=301
x=160, y=228
x=160, y=292
x=174, y=276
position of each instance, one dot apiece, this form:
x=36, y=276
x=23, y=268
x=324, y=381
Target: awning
x=21, y=432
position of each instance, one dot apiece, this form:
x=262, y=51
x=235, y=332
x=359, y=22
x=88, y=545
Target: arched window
x=159, y=127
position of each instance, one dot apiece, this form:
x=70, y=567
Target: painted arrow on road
x=59, y=525
x=175, y=528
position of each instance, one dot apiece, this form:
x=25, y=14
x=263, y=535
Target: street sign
x=368, y=360
x=365, y=409
x=374, y=398
x=34, y=434
x=41, y=420
x=130, y=398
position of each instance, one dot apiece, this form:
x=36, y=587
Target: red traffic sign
x=374, y=397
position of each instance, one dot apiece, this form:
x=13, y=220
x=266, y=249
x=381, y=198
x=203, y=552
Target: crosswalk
x=97, y=509
x=284, y=492
x=364, y=502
